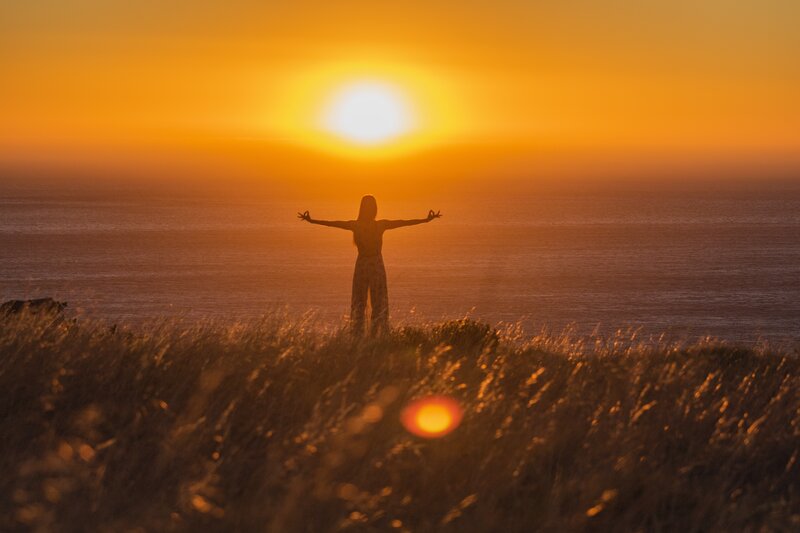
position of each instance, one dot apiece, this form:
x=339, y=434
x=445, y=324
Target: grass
x=279, y=425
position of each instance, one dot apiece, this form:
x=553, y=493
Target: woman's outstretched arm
x=343, y=224
x=392, y=224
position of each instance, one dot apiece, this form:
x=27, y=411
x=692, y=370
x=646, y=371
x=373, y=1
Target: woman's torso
x=368, y=236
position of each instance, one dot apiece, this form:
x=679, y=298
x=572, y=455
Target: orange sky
x=503, y=86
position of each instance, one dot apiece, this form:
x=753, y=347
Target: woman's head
x=368, y=209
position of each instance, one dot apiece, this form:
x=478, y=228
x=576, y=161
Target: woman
x=370, y=274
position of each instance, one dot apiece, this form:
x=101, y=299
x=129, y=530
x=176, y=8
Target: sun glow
x=432, y=417
x=368, y=108
x=368, y=113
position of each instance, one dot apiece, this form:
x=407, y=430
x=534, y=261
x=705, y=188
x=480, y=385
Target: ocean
x=686, y=264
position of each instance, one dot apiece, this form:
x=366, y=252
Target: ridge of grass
x=261, y=426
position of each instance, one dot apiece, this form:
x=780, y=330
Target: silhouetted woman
x=369, y=277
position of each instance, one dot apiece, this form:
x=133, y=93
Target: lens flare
x=432, y=416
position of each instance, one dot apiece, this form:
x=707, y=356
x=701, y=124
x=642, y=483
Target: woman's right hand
x=433, y=214
x=304, y=216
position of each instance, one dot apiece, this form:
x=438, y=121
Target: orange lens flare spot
x=432, y=416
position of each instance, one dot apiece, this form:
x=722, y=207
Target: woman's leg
x=358, y=303
x=379, y=298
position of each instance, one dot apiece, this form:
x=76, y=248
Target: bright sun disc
x=434, y=416
x=368, y=113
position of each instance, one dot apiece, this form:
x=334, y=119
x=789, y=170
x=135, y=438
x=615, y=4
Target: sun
x=366, y=109
x=368, y=113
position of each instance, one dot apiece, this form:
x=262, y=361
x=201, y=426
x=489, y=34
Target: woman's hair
x=368, y=209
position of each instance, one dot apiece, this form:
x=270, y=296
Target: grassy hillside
x=276, y=425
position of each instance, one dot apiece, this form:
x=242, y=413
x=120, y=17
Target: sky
x=522, y=88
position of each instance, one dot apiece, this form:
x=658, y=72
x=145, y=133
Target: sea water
x=692, y=264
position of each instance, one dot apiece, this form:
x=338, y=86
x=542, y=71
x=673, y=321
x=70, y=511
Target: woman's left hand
x=434, y=214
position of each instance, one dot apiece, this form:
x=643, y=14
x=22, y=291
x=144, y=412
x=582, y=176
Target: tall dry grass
x=274, y=425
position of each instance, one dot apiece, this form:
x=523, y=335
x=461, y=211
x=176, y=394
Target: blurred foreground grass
x=277, y=425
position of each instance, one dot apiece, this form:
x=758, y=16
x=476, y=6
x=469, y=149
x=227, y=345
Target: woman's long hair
x=366, y=212
x=369, y=208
